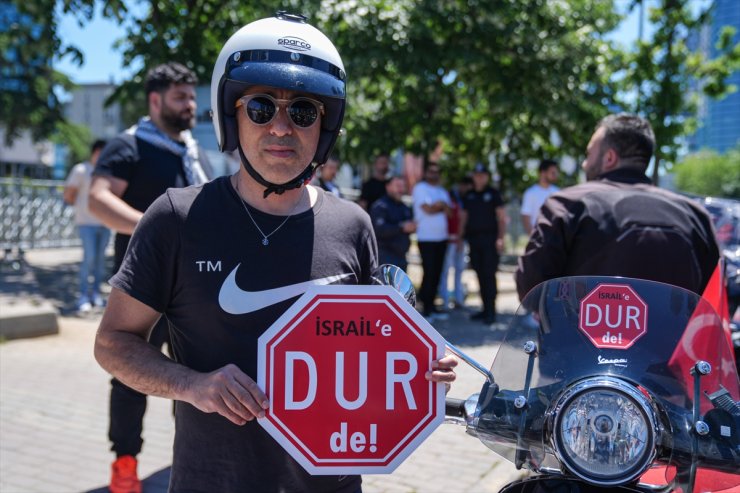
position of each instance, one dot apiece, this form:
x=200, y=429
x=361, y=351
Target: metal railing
x=34, y=215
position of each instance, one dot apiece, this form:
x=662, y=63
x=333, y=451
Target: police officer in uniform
x=484, y=229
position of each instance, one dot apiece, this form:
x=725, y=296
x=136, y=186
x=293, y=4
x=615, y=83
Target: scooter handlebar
x=454, y=408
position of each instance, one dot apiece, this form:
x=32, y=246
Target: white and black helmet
x=286, y=53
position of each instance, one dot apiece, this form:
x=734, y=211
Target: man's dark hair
x=97, y=145
x=546, y=164
x=334, y=157
x=161, y=77
x=630, y=136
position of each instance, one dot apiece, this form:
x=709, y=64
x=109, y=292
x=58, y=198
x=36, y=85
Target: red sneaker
x=123, y=476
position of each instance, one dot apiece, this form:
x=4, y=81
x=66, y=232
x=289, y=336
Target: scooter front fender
x=560, y=484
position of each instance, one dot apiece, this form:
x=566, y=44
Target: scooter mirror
x=395, y=277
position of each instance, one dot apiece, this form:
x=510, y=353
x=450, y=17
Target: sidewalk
x=54, y=404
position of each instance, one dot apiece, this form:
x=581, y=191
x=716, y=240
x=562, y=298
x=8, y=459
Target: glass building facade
x=719, y=120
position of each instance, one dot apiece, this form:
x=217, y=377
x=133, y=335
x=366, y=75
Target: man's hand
x=443, y=370
x=228, y=392
x=408, y=227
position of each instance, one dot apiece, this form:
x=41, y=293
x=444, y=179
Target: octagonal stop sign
x=613, y=316
x=344, y=371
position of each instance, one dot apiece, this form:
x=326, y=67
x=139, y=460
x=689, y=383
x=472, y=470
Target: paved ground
x=53, y=402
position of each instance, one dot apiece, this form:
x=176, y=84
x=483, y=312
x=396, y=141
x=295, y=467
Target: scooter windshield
x=575, y=344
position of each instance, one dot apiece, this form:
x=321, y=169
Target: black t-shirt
x=197, y=257
x=481, y=208
x=149, y=171
x=372, y=190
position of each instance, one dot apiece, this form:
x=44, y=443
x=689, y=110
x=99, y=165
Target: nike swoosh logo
x=236, y=301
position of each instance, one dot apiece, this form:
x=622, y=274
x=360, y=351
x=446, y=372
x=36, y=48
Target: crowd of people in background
x=455, y=226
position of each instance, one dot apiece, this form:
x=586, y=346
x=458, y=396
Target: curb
x=28, y=320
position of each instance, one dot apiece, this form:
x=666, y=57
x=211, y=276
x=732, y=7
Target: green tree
x=664, y=70
x=77, y=138
x=479, y=77
x=709, y=173
x=29, y=41
x=190, y=32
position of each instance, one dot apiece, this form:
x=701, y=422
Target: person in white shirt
x=93, y=234
x=431, y=206
x=536, y=195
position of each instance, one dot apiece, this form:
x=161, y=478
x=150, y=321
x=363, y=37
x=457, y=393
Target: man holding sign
x=223, y=261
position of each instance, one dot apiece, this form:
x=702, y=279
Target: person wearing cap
x=485, y=227
x=223, y=261
x=618, y=223
x=535, y=195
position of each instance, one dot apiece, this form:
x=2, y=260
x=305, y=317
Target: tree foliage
x=710, y=174
x=27, y=45
x=29, y=86
x=510, y=80
x=190, y=32
x=665, y=69
x=482, y=78
x=77, y=138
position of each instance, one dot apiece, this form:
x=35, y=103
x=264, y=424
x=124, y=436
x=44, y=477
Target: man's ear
x=610, y=160
x=155, y=102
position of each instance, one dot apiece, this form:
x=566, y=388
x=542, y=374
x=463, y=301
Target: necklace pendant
x=265, y=241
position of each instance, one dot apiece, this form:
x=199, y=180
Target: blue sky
x=104, y=64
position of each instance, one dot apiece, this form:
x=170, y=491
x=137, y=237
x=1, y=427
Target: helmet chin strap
x=270, y=187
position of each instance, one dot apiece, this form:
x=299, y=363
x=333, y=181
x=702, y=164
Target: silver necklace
x=265, y=240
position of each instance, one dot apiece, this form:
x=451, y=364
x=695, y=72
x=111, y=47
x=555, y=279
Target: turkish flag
x=716, y=294
x=705, y=338
x=708, y=339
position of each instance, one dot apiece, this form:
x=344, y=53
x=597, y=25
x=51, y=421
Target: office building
x=719, y=120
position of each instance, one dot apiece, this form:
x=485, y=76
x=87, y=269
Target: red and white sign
x=613, y=316
x=344, y=371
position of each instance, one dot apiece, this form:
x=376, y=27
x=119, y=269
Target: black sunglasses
x=262, y=109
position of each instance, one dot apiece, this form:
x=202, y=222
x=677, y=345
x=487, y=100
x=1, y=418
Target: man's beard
x=175, y=121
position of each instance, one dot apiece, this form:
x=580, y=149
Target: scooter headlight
x=604, y=431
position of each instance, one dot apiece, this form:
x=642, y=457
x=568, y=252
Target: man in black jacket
x=618, y=223
x=393, y=223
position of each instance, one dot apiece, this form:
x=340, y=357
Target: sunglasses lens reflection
x=303, y=113
x=261, y=110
